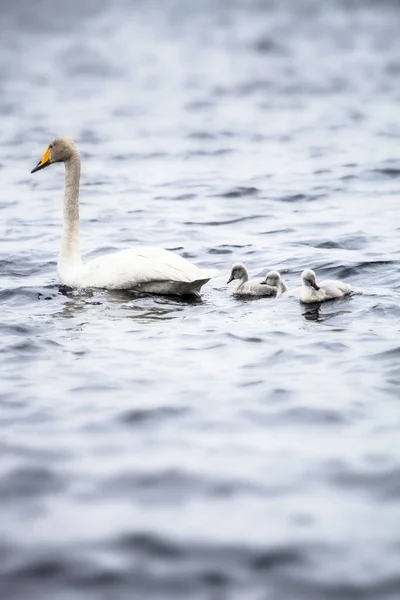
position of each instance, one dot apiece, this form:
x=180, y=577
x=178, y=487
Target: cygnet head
x=273, y=278
x=308, y=279
x=239, y=271
x=60, y=150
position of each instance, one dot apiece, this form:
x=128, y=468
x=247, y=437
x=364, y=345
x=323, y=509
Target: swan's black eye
x=51, y=145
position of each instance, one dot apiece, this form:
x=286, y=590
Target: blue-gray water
x=153, y=448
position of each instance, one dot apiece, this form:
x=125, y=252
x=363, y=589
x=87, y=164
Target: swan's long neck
x=69, y=252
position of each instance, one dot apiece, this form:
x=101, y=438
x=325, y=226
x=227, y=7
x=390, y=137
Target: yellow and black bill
x=44, y=162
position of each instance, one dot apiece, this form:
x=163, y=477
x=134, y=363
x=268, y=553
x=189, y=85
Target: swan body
x=274, y=279
x=249, y=287
x=329, y=289
x=143, y=269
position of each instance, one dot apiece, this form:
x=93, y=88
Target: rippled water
x=222, y=449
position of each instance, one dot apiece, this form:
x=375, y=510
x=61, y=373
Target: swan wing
x=256, y=287
x=335, y=286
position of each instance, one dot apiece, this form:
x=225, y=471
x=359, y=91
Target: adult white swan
x=144, y=269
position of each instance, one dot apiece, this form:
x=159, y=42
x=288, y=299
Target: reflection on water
x=143, y=308
x=323, y=311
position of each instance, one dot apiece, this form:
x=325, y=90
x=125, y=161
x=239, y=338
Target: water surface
x=222, y=449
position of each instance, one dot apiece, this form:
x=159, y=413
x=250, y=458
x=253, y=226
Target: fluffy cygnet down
x=274, y=279
x=329, y=289
x=249, y=287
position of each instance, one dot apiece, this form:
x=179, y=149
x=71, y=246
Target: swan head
x=60, y=150
x=272, y=278
x=308, y=279
x=238, y=271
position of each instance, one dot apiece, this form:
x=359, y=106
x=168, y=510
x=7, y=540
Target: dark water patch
x=385, y=310
x=325, y=311
x=381, y=484
x=201, y=135
x=140, y=417
x=40, y=569
x=392, y=173
x=278, y=558
x=261, y=561
x=313, y=312
x=240, y=192
x=185, y=197
x=94, y=183
x=29, y=348
x=32, y=21
x=45, y=454
x=305, y=415
x=357, y=116
x=253, y=340
x=25, y=483
x=393, y=67
x=90, y=136
x=363, y=267
x=350, y=242
x=250, y=87
x=268, y=45
x=227, y=222
x=181, y=183
x=250, y=384
x=198, y=153
x=334, y=347
x=24, y=265
x=227, y=248
x=83, y=61
x=327, y=244
x=178, y=197
x=169, y=486
x=384, y=588
x=348, y=177
x=393, y=353
x=138, y=156
x=149, y=545
x=7, y=108
x=199, y=105
x=304, y=89
x=280, y=394
x=322, y=171
x=20, y=330
x=300, y=197
x=284, y=230
x=393, y=378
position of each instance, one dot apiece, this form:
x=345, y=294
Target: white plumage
x=329, y=289
x=146, y=269
x=143, y=269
